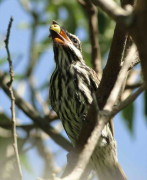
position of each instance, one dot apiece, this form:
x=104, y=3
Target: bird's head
x=65, y=44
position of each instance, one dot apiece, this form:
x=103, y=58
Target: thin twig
x=128, y=100
x=120, y=79
x=130, y=79
x=32, y=53
x=133, y=86
x=36, y=96
x=130, y=75
x=15, y=145
x=25, y=127
x=49, y=163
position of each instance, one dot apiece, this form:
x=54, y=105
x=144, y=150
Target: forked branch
x=117, y=13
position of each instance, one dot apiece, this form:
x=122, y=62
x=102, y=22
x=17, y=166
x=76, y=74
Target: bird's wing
x=95, y=83
x=94, y=79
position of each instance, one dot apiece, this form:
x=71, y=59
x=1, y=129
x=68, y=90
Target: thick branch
x=119, y=14
x=113, y=65
x=85, y=154
x=138, y=32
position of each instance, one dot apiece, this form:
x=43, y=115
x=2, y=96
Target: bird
x=71, y=89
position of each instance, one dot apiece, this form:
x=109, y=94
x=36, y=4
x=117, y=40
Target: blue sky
x=132, y=149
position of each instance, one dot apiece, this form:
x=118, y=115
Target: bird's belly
x=70, y=106
x=72, y=112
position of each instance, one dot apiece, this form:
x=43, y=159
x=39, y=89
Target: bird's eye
x=75, y=40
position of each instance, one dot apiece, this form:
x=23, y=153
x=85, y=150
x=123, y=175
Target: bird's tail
x=104, y=159
x=111, y=173
x=107, y=170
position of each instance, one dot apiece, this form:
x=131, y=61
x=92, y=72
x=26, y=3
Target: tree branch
x=127, y=101
x=100, y=119
x=97, y=119
x=117, y=13
x=32, y=54
x=138, y=32
x=92, y=15
x=26, y=127
x=115, y=58
x=84, y=155
x=113, y=65
x=133, y=86
x=12, y=97
x=35, y=117
x=126, y=17
x=120, y=79
x=49, y=163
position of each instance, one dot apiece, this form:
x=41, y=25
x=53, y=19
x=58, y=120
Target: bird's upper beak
x=58, y=34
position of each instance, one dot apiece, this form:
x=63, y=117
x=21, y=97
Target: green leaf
x=128, y=115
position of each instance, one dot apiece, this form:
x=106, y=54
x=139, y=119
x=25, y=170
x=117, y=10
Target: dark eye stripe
x=75, y=40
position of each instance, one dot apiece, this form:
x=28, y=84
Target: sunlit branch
x=127, y=101
x=120, y=79
x=119, y=14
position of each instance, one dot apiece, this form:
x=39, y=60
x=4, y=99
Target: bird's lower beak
x=58, y=35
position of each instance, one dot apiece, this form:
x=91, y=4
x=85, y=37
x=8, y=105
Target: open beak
x=58, y=34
